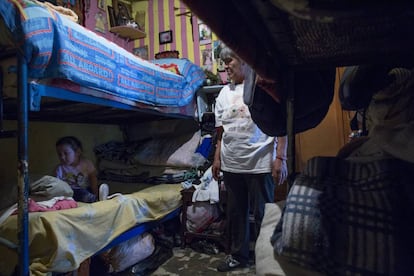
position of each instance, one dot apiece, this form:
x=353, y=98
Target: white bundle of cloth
x=208, y=189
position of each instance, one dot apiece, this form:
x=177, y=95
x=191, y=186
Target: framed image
x=142, y=52
x=124, y=13
x=100, y=21
x=217, y=46
x=165, y=37
x=207, y=59
x=111, y=14
x=101, y=4
x=204, y=33
x=140, y=20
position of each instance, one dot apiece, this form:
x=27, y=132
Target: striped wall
x=161, y=16
x=91, y=22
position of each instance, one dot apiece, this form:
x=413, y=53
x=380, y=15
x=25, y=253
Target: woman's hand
x=279, y=171
x=215, y=169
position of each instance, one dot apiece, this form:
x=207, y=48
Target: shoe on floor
x=103, y=192
x=229, y=264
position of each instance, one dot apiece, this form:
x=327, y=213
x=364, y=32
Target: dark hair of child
x=70, y=140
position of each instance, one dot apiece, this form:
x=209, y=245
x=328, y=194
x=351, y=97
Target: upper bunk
x=283, y=40
x=272, y=35
x=76, y=75
x=290, y=42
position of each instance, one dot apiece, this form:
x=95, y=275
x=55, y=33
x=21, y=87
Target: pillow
x=49, y=187
x=170, y=67
x=174, y=151
x=167, y=54
x=182, y=64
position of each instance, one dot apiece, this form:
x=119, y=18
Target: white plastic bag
x=130, y=252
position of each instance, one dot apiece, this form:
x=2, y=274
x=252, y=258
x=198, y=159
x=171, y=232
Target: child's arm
x=93, y=180
x=92, y=177
x=57, y=172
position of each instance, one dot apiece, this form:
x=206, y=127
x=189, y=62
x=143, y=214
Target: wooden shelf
x=128, y=32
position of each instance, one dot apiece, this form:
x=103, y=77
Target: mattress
x=60, y=240
x=56, y=47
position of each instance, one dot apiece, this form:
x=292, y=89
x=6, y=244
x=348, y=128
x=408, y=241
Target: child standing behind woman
x=77, y=171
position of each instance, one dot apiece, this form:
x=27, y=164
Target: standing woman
x=250, y=161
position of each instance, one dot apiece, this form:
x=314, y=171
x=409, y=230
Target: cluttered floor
x=199, y=257
x=187, y=261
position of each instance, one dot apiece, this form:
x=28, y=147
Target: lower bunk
x=59, y=241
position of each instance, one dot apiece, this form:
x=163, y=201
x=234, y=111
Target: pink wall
x=161, y=15
x=96, y=20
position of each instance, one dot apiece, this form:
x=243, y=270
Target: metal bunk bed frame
x=28, y=102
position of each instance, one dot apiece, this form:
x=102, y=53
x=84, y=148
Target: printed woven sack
x=348, y=218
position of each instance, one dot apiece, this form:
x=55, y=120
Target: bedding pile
x=164, y=153
x=61, y=240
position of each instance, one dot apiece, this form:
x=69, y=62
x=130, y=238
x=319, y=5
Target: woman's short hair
x=227, y=53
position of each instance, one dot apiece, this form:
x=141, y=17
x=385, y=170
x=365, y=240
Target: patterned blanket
x=349, y=218
x=56, y=47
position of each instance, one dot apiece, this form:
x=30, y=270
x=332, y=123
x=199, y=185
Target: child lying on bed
x=78, y=172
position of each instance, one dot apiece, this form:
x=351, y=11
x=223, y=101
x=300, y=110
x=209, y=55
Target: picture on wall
x=165, y=37
x=217, y=46
x=124, y=13
x=140, y=20
x=100, y=22
x=204, y=33
x=101, y=4
x=111, y=15
x=207, y=59
x=142, y=52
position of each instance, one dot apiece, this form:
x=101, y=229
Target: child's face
x=67, y=155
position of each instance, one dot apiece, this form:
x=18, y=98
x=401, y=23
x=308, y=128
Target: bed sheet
x=56, y=47
x=60, y=240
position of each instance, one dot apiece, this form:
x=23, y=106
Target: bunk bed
x=67, y=61
x=284, y=40
x=67, y=73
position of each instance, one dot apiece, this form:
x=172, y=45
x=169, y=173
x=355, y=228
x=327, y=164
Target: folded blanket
x=49, y=187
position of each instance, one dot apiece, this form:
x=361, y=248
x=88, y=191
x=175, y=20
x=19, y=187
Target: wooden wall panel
x=328, y=137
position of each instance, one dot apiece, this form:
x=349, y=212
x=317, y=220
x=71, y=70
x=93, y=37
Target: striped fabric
x=340, y=217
